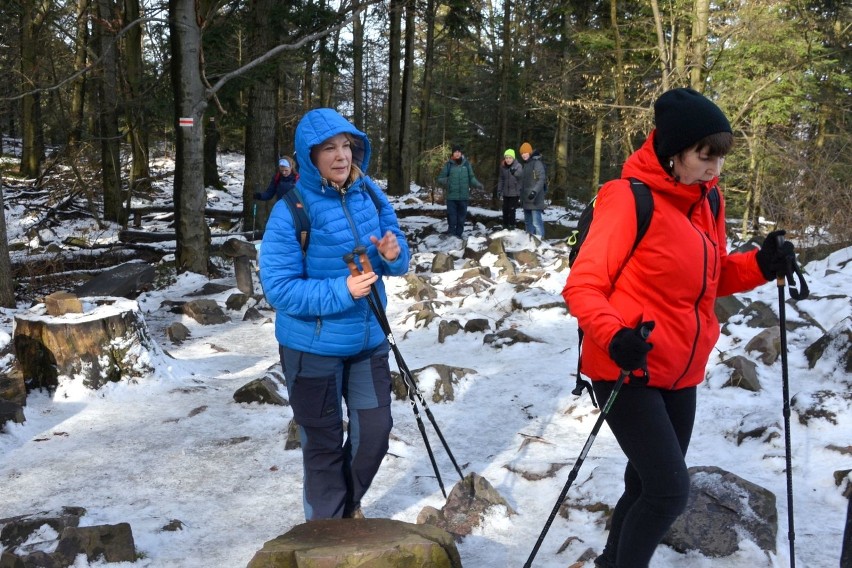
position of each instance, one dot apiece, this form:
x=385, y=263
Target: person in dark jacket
x=282, y=182
x=672, y=278
x=532, y=189
x=331, y=345
x=457, y=176
x=509, y=187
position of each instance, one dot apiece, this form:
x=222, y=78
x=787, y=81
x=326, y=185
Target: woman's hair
x=718, y=144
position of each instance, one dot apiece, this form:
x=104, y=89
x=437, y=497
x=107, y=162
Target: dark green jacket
x=458, y=178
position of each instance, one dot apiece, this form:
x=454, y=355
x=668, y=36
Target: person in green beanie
x=509, y=187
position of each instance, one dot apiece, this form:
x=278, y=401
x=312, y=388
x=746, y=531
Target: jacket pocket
x=314, y=401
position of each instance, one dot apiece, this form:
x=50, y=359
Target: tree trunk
x=422, y=177
x=626, y=146
x=32, y=140
x=78, y=89
x=211, y=149
x=405, y=154
x=192, y=251
x=260, y=147
x=108, y=110
x=559, y=181
x=700, y=24
x=503, y=98
x=394, y=164
x=137, y=127
x=7, y=281
x=596, y=167
x=358, y=67
x=663, y=53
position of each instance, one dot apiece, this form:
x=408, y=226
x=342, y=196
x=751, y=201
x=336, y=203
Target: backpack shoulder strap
x=301, y=220
x=644, y=209
x=371, y=191
x=715, y=200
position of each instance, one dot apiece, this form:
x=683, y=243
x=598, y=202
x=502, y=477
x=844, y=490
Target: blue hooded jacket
x=315, y=312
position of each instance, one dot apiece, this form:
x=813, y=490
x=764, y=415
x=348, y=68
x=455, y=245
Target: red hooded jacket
x=673, y=277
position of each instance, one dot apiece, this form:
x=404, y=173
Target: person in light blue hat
x=282, y=182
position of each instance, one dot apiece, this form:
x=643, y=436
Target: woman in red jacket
x=672, y=278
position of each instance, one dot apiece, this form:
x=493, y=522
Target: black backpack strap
x=644, y=209
x=715, y=200
x=301, y=221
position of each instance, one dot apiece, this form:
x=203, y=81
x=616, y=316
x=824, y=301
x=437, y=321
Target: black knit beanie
x=683, y=117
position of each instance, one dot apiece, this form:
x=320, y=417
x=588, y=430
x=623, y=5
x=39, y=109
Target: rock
x=836, y=343
x=726, y=307
x=177, y=333
x=760, y=315
x=466, y=504
x=205, y=312
x=507, y=337
x=477, y=325
x=11, y=412
x=744, y=374
x=237, y=301
x=112, y=542
x=448, y=328
x=767, y=343
x=443, y=263
x=378, y=543
x=724, y=508
x=263, y=391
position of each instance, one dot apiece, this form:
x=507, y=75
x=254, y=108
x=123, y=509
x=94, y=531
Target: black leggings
x=653, y=428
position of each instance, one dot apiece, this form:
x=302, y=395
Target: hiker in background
x=332, y=348
x=532, y=189
x=457, y=176
x=673, y=277
x=282, y=182
x=509, y=186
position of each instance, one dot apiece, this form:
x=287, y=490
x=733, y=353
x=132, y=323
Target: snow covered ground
x=175, y=446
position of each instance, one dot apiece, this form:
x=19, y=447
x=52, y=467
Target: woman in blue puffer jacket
x=331, y=346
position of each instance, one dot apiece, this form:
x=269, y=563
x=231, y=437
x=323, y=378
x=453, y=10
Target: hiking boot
x=356, y=513
x=604, y=562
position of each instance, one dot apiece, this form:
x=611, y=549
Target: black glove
x=629, y=347
x=258, y=196
x=775, y=255
x=532, y=195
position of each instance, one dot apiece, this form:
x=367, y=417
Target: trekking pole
x=645, y=330
x=349, y=259
x=253, y=219
x=797, y=294
x=361, y=251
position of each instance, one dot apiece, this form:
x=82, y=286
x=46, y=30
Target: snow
x=174, y=445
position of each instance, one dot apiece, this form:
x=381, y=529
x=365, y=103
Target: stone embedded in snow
x=724, y=509
x=466, y=505
x=537, y=299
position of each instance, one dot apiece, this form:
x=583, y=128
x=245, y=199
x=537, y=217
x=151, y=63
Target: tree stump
x=108, y=342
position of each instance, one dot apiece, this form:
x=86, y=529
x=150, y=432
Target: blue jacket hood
x=317, y=126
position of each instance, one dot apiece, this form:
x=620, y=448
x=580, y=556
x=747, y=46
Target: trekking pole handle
x=349, y=259
x=780, y=276
x=361, y=251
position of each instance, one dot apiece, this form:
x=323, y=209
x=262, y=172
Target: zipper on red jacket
x=695, y=306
